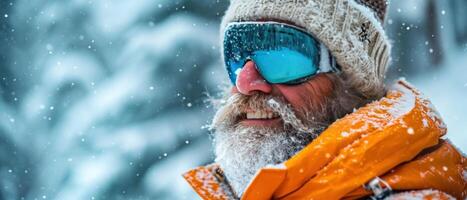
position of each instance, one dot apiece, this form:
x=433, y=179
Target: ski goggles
x=283, y=54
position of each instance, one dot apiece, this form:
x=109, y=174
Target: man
x=309, y=117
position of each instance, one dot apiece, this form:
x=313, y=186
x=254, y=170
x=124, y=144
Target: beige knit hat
x=351, y=29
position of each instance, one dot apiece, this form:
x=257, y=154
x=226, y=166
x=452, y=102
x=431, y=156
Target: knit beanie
x=352, y=30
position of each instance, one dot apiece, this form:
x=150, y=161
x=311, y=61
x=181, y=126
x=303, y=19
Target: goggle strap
x=327, y=62
x=334, y=65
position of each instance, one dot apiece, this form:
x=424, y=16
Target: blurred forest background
x=106, y=99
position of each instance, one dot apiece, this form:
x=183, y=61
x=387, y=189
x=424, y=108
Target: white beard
x=241, y=151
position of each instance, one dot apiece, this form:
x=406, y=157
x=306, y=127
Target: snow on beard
x=242, y=150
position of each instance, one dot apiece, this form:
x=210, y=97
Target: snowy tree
x=104, y=99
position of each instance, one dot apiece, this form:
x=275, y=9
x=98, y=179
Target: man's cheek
x=294, y=96
x=309, y=94
x=234, y=90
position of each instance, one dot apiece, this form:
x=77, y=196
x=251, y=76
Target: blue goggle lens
x=283, y=54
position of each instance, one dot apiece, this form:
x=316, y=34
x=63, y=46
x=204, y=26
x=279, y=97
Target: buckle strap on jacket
x=379, y=187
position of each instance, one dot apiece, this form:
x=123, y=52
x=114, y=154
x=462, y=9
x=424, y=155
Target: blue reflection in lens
x=284, y=65
x=282, y=53
x=234, y=68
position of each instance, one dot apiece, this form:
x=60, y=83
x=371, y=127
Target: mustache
x=237, y=105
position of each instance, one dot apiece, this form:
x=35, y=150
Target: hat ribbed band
x=351, y=31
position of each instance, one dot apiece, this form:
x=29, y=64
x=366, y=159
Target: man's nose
x=250, y=80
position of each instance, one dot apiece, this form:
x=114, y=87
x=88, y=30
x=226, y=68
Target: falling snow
x=105, y=90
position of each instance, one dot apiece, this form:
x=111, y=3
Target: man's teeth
x=261, y=115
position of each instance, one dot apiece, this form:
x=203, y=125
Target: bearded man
x=309, y=116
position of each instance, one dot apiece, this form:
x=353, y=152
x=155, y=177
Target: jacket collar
x=364, y=145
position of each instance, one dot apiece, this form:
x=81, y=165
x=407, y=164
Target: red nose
x=250, y=80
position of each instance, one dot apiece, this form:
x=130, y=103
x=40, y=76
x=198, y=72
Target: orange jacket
x=396, y=139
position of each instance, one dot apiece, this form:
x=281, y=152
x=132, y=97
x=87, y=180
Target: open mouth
x=261, y=115
x=259, y=118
